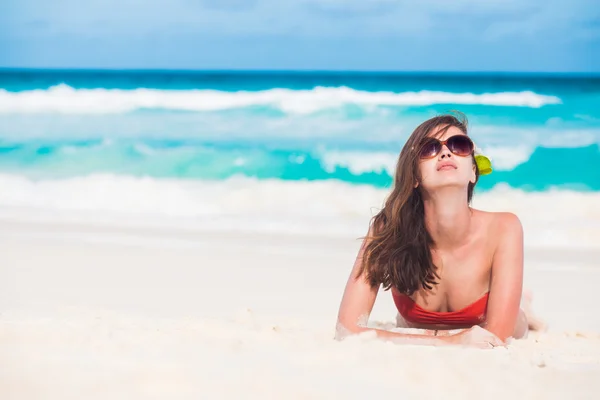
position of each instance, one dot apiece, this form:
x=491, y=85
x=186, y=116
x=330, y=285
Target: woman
x=454, y=272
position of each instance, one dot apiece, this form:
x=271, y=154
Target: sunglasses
x=460, y=145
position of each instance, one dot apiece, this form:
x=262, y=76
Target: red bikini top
x=473, y=314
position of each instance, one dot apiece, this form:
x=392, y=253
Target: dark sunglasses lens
x=430, y=149
x=460, y=145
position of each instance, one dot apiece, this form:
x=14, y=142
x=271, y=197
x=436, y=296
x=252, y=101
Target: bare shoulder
x=505, y=220
x=508, y=224
x=500, y=224
x=503, y=234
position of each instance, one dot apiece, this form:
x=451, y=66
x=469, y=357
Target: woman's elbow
x=345, y=328
x=505, y=332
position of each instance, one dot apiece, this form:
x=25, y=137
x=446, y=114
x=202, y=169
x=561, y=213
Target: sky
x=384, y=35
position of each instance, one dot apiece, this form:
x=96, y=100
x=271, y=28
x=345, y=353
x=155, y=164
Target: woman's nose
x=445, y=152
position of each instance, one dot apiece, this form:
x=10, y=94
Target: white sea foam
x=186, y=198
x=360, y=162
x=67, y=100
x=506, y=158
x=572, y=138
x=247, y=204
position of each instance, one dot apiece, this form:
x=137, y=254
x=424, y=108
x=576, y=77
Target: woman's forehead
x=440, y=132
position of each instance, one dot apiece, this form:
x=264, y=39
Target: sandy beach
x=108, y=311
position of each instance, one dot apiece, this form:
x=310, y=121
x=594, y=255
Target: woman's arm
x=358, y=298
x=506, y=283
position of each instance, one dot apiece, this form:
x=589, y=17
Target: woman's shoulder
x=500, y=222
x=500, y=231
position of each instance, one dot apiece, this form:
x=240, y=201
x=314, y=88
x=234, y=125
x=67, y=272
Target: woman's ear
x=474, y=174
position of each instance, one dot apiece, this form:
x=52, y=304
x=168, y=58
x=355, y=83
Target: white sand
x=90, y=312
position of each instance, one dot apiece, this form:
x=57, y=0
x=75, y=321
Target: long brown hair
x=398, y=253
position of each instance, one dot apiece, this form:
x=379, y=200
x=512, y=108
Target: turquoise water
x=542, y=131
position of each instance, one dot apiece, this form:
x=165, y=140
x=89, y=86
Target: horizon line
x=305, y=71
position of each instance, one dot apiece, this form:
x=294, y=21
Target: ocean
x=258, y=143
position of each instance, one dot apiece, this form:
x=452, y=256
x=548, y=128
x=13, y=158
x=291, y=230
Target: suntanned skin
x=475, y=252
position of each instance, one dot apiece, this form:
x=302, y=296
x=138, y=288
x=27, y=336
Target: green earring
x=484, y=164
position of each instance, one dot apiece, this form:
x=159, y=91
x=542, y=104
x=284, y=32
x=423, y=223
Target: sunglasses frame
x=445, y=143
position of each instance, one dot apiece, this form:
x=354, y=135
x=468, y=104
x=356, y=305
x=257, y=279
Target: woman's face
x=446, y=168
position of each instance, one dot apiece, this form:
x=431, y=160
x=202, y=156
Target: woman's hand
x=476, y=336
